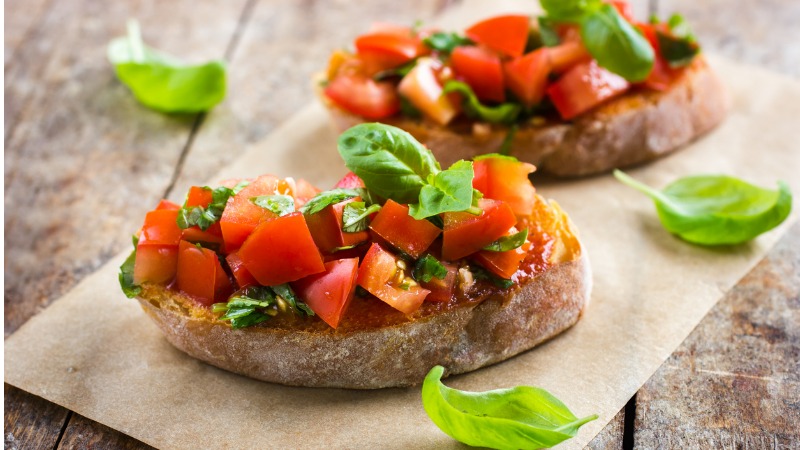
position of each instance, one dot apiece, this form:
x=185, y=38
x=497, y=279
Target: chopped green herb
x=679, y=52
x=482, y=274
x=240, y=185
x=507, y=243
x=503, y=113
x=278, y=204
x=428, y=268
x=203, y=218
x=547, y=32
x=327, y=198
x=446, y=42
x=355, y=215
x=448, y=190
x=256, y=304
x=130, y=289
x=397, y=72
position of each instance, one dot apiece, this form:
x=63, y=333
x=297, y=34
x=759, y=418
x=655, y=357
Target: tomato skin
x=402, y=231
x=503, y=34
x=442, y=290
x=503, y=264
x=166, y=204
x=481, y=69
x=242, y=216
x=329, y=293
x=465, y=233
x=326, y=228
x=376, y=275
x=200, y=274
x=160, y=228
x=303, y=192
x=155, y=264
x=242, y=276
x=507, y=180
x=422, y=88
x=526, y=76
x=363, y=96
x=583, y=87
x=566, y=55
x=199, y=196
x=350, y=181
x=281, y=250
x=389, y=49
x=662, y=76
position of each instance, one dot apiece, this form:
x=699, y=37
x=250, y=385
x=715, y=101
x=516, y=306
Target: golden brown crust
x=629, y=130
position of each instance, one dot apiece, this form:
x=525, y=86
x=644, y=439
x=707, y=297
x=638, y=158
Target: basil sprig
x=394, y=165
x=519, y=417
x=609, y=38
x=428, y=268
x=445, y=42
x=716, y=209
x=507, y=243
x=256, y=304
x=355, y=215
x=502, y=113
x=130, y=289
x=327, y=198
x=162, y=82
x=277, y=204
x=203, y=218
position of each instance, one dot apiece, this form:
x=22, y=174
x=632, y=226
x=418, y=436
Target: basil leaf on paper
x=716, y=209
x=162, y=82
x=521, y=417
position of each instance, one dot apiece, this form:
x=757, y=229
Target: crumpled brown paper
x=96, y=353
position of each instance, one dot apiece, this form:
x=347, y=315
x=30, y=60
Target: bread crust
x=629, y=130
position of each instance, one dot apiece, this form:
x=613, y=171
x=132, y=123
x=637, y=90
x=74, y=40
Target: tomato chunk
x=303, y=192
x=583, y=87
x=466, y=233
x=503, y=264
x=200, y=274
x=242, y=276
x=350, y=181
x=402, y=231
x=160, y=228
x=566, y=55
x=504, y=34
x=155, y=264
x=281, y=250
x=378, y=274
x=363, y=96
x=506, y=179
x=242, y=216
x=526, y=76
x=442, y=290
x=423, y=90
x=389, y=49
x=166, y=204
x=329, y=293
x=326, y=228
x=662, y=76
x=481, y=69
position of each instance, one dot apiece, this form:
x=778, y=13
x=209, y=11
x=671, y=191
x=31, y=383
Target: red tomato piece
x=242, y=216
x=526, y=76
x=350, y=181
x=166, y=204
x=481, y=69
x=303, y=192
x=281, y=250
x=363, y=96
x=504, y=34
x=326, y=228
x=242, y=276
x=329, y=293
x=503, y=264
x=583, y=87
x=402, y=231
x=199, y=196
x=442, y=290
x=378, y=275
x=662, y=76
x=422, y=88
x=566, y=55
x=506, y=179
x=160, y=228
x=391, y=48
x=201, y=275
x=465, y=233
x=155, y=264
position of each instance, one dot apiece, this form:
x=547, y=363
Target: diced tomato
x=166, y=204
x=378, y=274
x=303, y=192
x=466, y=233
x=326, y=228
x=200, y=274
x=384, y=50
x=505, y=34
x=199, y=196
x=160, y=228
x=422, y=89
x=526, y=76
x=566, y=55
x=442, y=290
x=350, y=181
x=481, y=69
x=583, y=87
x=155, y=264
x=329, y=293
x=503, y=264
x=281, y=250
x=363, y=96
x=624, y=9
x=506, y=179
x=402, y=231
x=662, y=76
x=211, y=236
x=390, y=28
x=243, y=276
x=242, y=216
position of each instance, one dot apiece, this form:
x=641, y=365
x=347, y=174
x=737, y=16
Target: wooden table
x=83, y=161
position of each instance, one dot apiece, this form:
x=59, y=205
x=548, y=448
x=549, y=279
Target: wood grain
x=85, y=433
x=30, y=421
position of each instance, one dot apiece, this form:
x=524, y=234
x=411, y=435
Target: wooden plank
x=19, y=24
x=84, y=433
x=734, y=382
x=611, y=436
x=30, y=421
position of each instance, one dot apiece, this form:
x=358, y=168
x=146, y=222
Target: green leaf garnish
x=398, y=72
x=446, y=42
x=547, y=32
x=355, y=215
x=482, y=274
x=327, y=198
x=520, y=417
x=278, y=204
x=716, y=209
x=428, y=268
x=162, y=82
x=507, y=243
x=203, y=218
x=285, y=292
x=255, y=304
x=502, y=113
x=450, y=190
x=130, y=289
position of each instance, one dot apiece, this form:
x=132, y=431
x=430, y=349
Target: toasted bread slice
x=632, y=129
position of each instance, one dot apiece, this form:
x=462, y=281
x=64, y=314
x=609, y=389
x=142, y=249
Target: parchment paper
x=95, y=352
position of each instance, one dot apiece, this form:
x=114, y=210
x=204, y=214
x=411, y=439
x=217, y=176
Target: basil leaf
x=680, y=27
x=240, y=185
x=495, y=156
x=278, y=204
x=162, y=82
x=566, y=10
x=450, y=190
x=482, y=274
x=716, y=209
x=427, y=268
x=285, y=292
x=203, y=218
x=507, y=243
x=679, y=52
x=446, y=42
x=327, y=198
x=130, y=289
x=390, y=161
x=520, y=417
x=396, y=72
x=502, y=113
x=616, y=44
x=547, y=32
x=355, y=214
x=255, y=304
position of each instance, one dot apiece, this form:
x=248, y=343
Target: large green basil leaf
x=615, y=44
x=521, y=417
x=716, y=209
x=451, y=190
